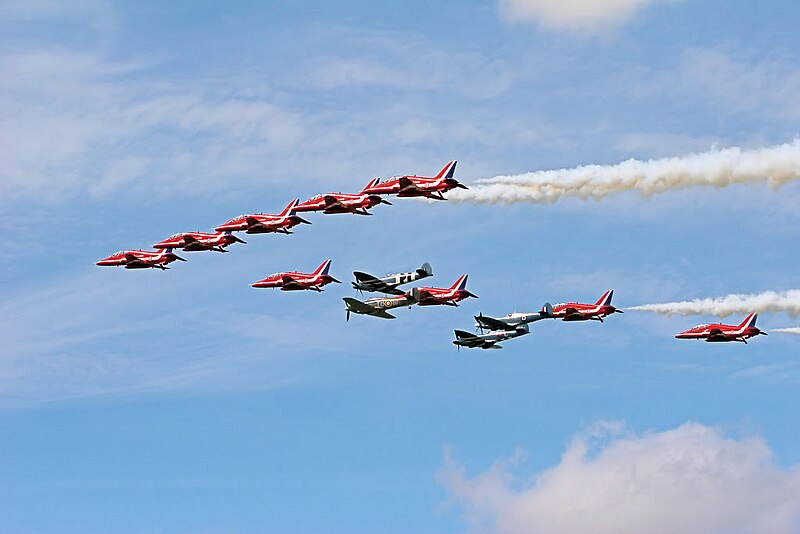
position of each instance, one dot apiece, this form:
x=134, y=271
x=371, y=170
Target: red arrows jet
x=724, y=332
x=292, y=281
x=574, y=311
x=343, y=202
x=419, y=186
x=433, y=296
x=141, y=259
x=260, y=223
x=194, y=241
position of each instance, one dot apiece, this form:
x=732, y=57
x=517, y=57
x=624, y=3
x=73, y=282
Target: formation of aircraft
x=722, y=333
x=422, y=296
x=294, y=281
x=283, y=222
x=141, y=259
x=493, y=329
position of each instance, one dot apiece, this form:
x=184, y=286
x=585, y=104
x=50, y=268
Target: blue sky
x=187, y=401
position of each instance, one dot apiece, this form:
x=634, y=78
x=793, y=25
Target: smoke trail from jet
x=775, y=166
x=768, y=302
x=792, y=330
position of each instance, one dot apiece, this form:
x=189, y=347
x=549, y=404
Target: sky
x=188, y=401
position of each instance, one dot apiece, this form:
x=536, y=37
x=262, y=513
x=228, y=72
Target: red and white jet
x=433, y=296
x=260, y=223
x=292, y=281
x=724, y=332
x=141, y=259
x=575, y=311
x=194, y=241
x=419, y=186
x=343, y=202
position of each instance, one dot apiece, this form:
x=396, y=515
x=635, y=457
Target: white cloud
x=691, y=479
x=586, y=15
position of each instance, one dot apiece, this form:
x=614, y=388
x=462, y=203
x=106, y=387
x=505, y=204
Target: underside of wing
x=715, y=334
x=571, y=314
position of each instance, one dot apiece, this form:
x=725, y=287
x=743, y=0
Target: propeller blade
x=347, y=320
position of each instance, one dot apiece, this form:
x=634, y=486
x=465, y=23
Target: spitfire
x=377, y=306
x=260, y=223
x=575, y=311
x=141, y=259
x=419, y=186
x=721, y=333
x=294, y=281
x=389, y=283
x=489, y=340
x=195, y=241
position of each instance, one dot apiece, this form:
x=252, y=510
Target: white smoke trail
x=775, y=165
x=792, y=330
x=767, y=302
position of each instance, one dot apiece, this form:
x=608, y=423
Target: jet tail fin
x=323, y=268
x=605, y=300
x=749, y=321
x=372, y=183
x=461, y=283
x=288, y=209
x=447, y=172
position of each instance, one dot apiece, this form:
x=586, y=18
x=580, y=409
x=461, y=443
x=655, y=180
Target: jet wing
x=406, y=185
x=572, y=313
x=291, y=283
x=187, y=239
x=716, y=335
x=493, y=324
x=423, y=297
x=253, y=223
x=133, y=261
x=331, y=202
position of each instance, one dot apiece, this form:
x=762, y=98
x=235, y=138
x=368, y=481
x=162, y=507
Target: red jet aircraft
x=724, y=332
x=260, y=223
x=292, y=281
x=574, y=311
x=194, y=241
x=433, y=296
x=141, y=259
x=419, y=186
x=343, y=202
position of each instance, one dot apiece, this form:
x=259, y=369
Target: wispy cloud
x=586, y=16
x=691, y=479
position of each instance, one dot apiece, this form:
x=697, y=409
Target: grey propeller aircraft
x=388, y=284
x=490, y=339
x=513, y=320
